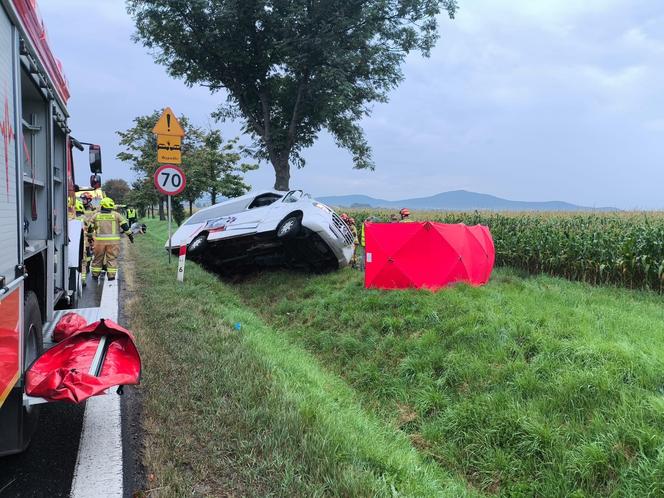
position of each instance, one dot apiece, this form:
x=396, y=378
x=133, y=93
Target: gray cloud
x=528, y=100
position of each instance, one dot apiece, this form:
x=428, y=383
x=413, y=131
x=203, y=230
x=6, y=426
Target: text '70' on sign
x=169, y=179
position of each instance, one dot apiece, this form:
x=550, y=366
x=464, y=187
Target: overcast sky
x=524, y=99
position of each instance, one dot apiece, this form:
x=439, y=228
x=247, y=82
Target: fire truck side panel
x=36, y=177
x=59, y=204
x=44, y=196
x=9, y=222
x=35, y=160
x=10, y=329
x=11, y=416
x=11, y=248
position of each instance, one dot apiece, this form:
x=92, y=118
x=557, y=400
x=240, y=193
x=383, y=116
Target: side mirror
x=95, y=181
x=95, y=159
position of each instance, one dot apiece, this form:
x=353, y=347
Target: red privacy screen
x=427, y=254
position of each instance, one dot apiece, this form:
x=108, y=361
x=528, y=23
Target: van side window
x=264, y=200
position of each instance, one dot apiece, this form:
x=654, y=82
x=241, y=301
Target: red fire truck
x=40, y=243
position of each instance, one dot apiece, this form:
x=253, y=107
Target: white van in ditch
x=266, y=228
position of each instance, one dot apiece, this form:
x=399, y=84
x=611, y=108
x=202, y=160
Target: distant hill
x=458, y=200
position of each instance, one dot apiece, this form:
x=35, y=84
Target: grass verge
x=526, y=387
x=247, y=412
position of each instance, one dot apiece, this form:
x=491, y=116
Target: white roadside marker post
x=181, y=260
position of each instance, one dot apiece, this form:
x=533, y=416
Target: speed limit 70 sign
x=169, y=179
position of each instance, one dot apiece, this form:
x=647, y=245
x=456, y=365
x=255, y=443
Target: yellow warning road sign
x=168, y=125
x=168, y=149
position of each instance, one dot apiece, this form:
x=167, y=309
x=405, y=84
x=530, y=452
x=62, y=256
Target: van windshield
x=294, y=196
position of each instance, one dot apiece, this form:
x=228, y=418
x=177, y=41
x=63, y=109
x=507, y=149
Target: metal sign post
x=170, y=180
x=169, y=229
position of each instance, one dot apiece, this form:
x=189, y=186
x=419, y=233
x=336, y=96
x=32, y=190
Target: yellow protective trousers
x=85, y=262
x=105, y=253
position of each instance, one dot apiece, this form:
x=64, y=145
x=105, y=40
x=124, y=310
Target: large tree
x=291, y=67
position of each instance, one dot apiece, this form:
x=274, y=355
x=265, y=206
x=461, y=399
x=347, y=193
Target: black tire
x=33, y=346
x=198, y=245
x=289, y=227
x=75, y=283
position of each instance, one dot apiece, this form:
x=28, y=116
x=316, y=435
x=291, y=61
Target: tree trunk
x=282, y=173
x=162, y=214
x=191, y=211
x=213, y=196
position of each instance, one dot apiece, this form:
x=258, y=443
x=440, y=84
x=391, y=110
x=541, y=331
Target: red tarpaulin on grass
x=427, y=254
x=63, y=372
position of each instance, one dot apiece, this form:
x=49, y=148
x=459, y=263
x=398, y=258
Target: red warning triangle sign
x=168, y=125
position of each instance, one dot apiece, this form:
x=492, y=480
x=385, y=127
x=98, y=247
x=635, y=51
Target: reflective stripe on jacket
x=107, y=226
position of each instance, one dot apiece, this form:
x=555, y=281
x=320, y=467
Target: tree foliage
x=212, y=165
x=142, y=195
x=291, y=67
x=117, y=189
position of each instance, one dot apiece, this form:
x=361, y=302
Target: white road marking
x=98, y=471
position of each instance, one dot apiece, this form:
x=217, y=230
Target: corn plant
x=625, y=249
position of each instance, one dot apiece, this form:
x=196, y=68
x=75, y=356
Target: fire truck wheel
x=33, y=347
x=77, y=288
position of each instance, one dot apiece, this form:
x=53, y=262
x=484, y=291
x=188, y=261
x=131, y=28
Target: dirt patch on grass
x=406, y=414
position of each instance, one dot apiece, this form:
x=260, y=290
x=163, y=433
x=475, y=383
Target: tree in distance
x=291, y=68
x=143, y=196
x=117, y=189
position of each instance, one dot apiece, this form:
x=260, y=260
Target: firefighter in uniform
x=363, y=240
x=351, y=225
x=86, y=199
x=107, y=224
x=87, y=252
x=131, y=215
x=405, y=215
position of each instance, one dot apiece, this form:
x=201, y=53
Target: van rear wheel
x=198, y=245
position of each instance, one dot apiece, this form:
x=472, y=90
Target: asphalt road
x=46, y=468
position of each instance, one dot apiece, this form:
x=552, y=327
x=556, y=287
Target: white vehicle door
x=246, y=222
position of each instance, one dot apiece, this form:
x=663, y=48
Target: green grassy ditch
x=250, y=412
x=530, y=386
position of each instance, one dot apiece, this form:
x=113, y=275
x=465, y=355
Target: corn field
x=625, y=249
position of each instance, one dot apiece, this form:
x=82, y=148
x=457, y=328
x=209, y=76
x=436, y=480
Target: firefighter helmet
x=404, y=212
x=86, y=196
x=107, y=203
x=79, y=206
